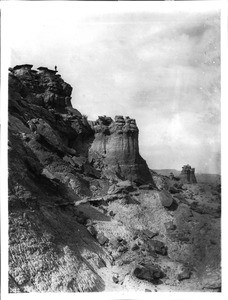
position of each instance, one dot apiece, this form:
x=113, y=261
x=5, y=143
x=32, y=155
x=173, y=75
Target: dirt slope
x=75, y=227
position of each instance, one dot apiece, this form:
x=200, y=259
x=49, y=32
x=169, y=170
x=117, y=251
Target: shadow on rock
x=93, y=213
x=173, y=206
x=151, y=273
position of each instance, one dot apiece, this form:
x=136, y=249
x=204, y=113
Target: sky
x=159, y=66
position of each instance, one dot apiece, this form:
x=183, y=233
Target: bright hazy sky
x=159, y=66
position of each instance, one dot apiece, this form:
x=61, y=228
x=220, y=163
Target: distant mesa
x=187, y=174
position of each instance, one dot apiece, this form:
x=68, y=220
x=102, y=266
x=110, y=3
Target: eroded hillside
x=86, y=213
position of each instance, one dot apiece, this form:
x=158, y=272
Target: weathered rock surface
x=115, y=149
x=151, y=273
x=80, y=221
x=150, y=234
x=102, y=239
x=47, y=153
x=184, y=274
x=159, y=180
x=158, y=247
x=165, y=198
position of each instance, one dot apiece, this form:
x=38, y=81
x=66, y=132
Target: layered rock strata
x=52, y=167
x=42, y=102
x=115, y=149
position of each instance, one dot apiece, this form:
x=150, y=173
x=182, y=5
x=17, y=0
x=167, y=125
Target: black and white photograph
x=114, y=148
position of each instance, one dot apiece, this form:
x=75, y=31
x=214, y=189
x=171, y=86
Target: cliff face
x=42, y=102
x=56, y=159
x=50, y=249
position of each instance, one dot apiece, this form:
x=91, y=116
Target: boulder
x=122, y=249
x=166, y=198
x=101, y=238
x=79, y=161
x=126, y=184
x=184, y=274
x=92, y=230
x=114, y=243
x=115, y=279
x=119, y=239
x=151, y=273
x=157, y=247
x=81, y=218
x=90, y=171
x=69, y=160
x=150, y=234
x=170, y=226
x=213, y=281
x=134, y=247
x=146, y=187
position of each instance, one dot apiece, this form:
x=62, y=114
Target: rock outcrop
x=187, y=174
x=42, y=102
x=115, y=150
x=47, y=138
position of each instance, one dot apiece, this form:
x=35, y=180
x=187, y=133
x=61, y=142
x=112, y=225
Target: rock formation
x=110, y=147
x=57, y=157
x=187, y=174
x=115, y=149
x=84, y=214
